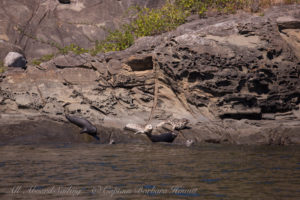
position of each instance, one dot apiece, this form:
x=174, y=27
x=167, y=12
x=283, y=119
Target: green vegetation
x=115, y=41
x=155, y=21
x=226, y=6
x=148, y=22
x=72, y=48
x=44, y=58
x=62, y=50
x=2, y=68
x=221, y=6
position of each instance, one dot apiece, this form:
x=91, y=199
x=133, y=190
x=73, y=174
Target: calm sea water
x=158, y=171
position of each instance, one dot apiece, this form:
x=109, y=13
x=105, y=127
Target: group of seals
x=177, y=124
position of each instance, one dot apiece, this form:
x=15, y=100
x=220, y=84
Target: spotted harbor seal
x=147, y=130
x=139, y=129
x=177, y=124
x=86, y=126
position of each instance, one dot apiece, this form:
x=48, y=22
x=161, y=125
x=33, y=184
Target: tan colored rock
x=224, y=74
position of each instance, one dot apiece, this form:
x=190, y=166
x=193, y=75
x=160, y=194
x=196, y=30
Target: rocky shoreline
x=235, y=77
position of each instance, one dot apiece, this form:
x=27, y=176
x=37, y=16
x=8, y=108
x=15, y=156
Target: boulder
x=15, y=59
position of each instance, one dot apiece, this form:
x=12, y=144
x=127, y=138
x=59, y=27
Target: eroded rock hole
x=223, y=83
x=141, y=64
x=239, y=116
x=194, y=76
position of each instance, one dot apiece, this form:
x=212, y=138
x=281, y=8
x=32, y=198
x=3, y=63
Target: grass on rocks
x=148, y=22
x=44, y=58
x=2, y=68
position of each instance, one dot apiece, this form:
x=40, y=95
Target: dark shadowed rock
x=288, y=22
x=64, y=1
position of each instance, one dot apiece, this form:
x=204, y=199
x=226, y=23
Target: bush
x=115, y=41
x=147, y=22
x=225, y=6
x=155, y=21
x=72, y=48
x=221, y=6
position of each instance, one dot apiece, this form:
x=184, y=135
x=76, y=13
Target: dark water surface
x=157, y=171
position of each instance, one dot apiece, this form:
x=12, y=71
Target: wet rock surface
x=235, y=77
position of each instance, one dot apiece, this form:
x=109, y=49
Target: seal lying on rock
x=164, y=137
x=86, y=126
x=139, y=128
x=177, y=124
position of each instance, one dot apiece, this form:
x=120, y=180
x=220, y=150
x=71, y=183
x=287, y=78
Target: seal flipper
x=96, y=137
x=84, y=130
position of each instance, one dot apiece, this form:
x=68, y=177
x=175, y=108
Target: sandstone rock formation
x=235, y=77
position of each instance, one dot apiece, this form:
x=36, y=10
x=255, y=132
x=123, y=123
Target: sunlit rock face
x=234, y=77
x=37, y=27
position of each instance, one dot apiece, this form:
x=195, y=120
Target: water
x=157, y=171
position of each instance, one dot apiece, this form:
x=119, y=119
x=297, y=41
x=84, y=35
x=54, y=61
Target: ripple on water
x=214, y=170
x=211, y=180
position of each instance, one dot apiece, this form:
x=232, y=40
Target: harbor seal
x=164, y=137
x=139, y=129
x=177, y=124
x=86, y=126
